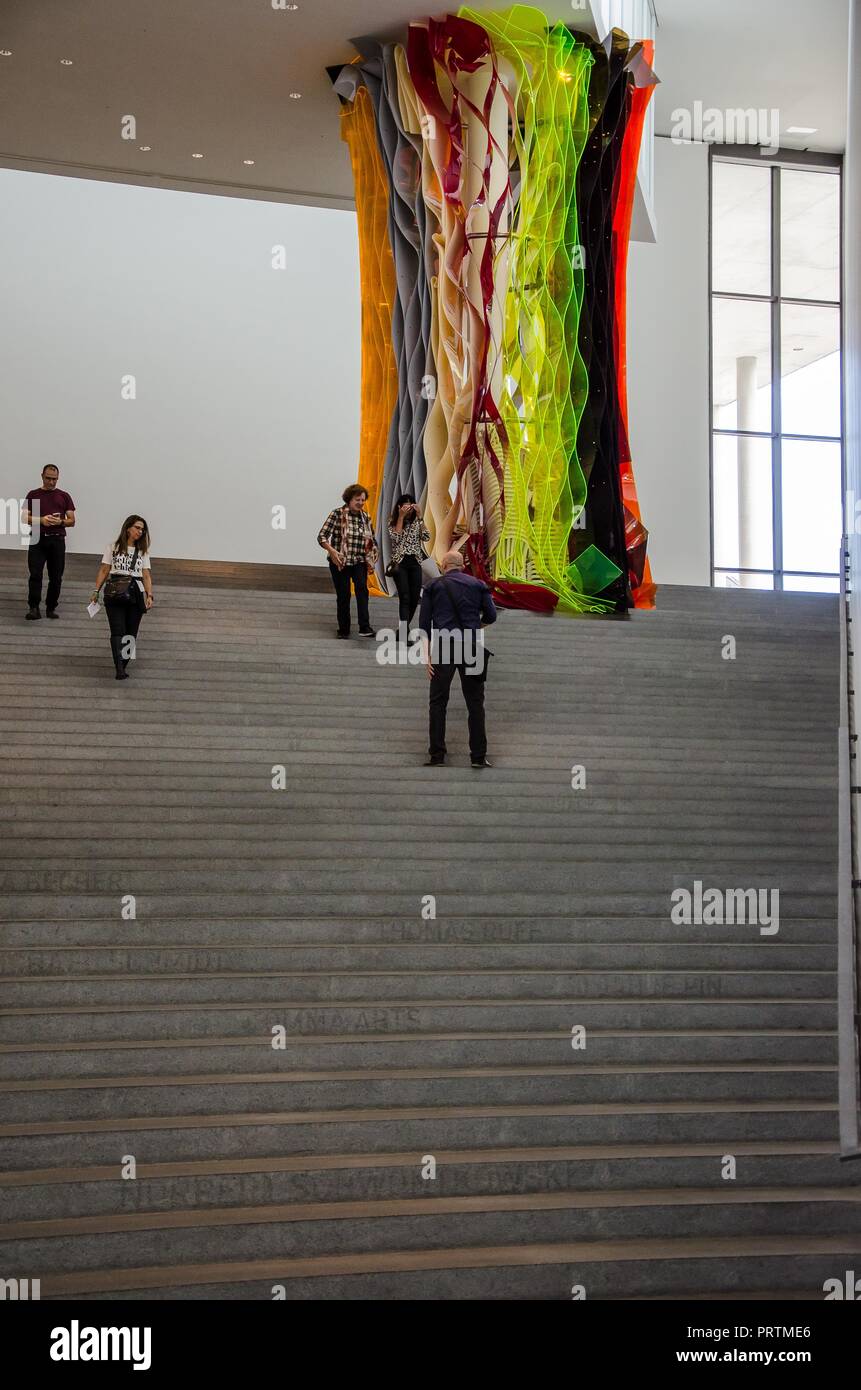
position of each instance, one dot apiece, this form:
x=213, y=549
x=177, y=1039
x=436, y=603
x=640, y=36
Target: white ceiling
x=784, y=55
x=213, y=77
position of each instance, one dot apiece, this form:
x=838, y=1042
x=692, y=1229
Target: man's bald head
x=452, y=560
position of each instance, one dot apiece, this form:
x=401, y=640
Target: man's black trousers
x=50, y=551
x=473, y=694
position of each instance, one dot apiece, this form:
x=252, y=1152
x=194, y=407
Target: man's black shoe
x=435, y=762
x=481, y=762
x=51, y=613
x=33, y=614
x=342, y=635
x=367, y=632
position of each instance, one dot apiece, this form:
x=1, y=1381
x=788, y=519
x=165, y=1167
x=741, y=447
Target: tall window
x=777, y=514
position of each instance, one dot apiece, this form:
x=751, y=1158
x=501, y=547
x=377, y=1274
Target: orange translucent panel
x=379, y=388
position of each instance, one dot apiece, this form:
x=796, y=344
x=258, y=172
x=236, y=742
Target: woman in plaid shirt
x=348, y=538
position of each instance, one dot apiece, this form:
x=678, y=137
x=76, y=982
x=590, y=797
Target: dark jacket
x=473, y=600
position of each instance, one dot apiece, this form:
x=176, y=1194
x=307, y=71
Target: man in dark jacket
x=454, y=608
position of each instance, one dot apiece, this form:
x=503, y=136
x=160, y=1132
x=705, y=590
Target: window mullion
x=776, y=414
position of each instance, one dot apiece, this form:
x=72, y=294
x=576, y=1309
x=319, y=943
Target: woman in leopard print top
x=407, y=533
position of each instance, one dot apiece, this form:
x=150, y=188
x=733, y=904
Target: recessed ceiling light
x=145, y=148
x=296, y=96
x=801, y=129
x=5, y=53
x=248, y=161
x=197, y=156
x=67, y=62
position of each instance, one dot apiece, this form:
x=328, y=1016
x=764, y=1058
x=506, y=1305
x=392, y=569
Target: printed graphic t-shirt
x=122, y=564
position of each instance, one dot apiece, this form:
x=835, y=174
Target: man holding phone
x=49, y=510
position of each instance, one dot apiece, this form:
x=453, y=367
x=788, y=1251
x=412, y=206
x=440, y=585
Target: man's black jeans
x=473, y=694
x=341, y=580
x=50, y=551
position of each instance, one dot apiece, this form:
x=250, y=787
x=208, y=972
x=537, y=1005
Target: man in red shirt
x=49, y=510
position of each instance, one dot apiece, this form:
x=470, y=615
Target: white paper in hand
x=93, y=608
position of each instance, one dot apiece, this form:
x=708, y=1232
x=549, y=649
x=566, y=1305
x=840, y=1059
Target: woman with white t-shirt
x=128, y=590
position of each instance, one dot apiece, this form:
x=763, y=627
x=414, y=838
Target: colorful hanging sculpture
x=508, y=148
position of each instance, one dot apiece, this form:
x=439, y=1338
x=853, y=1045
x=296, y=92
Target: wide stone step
x=688, y=769
x=772, y=953
x=608, y=1271
x=593, y=823
x=55, y=1193
x=242, y=745
x=405, y=721
x=71, y=895
x=428, y=1223
x=188, y=1056
x=459, y=790
x=154, y=667
x=310, y=618
x=160, y=1095
x=288, y=712
x=286, y=848
x=495, y=930
x=297, y=831
x=74, y=1023
x=126, y=872
x=158, y=682
x=313, y=616
x=604, y=1269
x=534, y=781
x=490, y=984
x=366, y=1129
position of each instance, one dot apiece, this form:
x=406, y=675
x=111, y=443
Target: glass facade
x=777, y=515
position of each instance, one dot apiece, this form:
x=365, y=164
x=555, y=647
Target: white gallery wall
x=668, y=368
x=246, y=376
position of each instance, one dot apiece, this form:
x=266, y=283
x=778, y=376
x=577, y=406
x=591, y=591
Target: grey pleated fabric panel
x=409, y=236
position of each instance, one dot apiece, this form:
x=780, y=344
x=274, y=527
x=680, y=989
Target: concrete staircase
x=409, y=1036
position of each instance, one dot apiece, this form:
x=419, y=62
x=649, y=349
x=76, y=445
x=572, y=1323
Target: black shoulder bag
x=123, y=588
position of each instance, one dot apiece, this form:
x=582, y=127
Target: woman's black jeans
x=341, y=580
x=408, y=582
x=124, y=618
